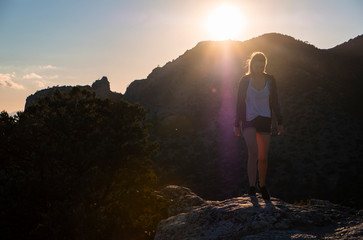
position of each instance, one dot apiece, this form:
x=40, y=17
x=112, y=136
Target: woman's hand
x=280, y=130
x=237, y=131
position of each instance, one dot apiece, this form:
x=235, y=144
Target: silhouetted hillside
x=191, y=101
x=353, y=47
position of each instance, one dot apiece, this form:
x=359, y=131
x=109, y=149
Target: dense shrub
x=77, y=167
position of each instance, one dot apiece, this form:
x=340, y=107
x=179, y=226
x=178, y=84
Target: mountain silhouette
x=191, y=105
x=352, y=48
x=191, y=102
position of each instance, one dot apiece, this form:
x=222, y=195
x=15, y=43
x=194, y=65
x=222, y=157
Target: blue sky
x=75, y=42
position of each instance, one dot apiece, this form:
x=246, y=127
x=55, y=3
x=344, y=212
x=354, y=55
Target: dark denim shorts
x=261, y=124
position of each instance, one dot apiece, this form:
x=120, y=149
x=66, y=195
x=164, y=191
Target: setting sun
x=225, y=22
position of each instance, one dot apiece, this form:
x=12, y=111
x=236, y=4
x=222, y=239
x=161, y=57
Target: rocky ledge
x=245, y=217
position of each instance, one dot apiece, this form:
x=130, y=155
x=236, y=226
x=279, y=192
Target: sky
x=46, y=43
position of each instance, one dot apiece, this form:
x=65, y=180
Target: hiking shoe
x=264, y=192
x=252, y=191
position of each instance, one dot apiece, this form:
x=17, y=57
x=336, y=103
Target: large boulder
x=248, y=217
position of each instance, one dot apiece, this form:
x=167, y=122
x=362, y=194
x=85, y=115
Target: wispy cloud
x=32, y=76
x=49, y=66
x=40, y=84
x=6, y=80
x=53, y=77
x=45, y=80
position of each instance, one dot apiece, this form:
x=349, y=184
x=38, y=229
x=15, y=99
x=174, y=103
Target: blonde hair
x=256, y=57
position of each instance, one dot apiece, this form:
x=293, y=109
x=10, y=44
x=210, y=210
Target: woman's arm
x=275, y=106
x=274, y=102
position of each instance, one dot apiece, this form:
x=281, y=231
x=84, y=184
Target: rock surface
x=245, y=217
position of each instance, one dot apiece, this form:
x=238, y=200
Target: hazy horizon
x=49, y=43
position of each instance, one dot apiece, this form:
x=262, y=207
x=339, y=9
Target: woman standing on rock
x=257, y=99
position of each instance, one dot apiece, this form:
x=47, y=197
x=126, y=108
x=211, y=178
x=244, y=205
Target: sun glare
x=225, y=22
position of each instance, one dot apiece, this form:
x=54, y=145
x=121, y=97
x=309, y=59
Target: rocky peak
x=245, y=217
x=100, y=87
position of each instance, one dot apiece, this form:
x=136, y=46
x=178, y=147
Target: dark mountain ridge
x=353, y=47
x=191, y=101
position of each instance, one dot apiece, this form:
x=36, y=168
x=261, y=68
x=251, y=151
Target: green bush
x=77, y=167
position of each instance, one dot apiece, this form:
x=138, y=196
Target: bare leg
x=263, y=141
x=249, y=135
